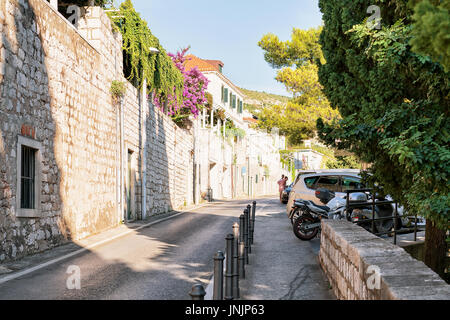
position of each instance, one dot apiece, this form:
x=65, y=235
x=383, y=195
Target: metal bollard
x=246, y=236
x=253, y=221
x=218, y=276
x=236, y=293
x=241, y=248
x=249, y=226
x=198, y=292
x=229, y=268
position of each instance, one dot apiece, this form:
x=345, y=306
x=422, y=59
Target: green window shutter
x=231, y=99
x=225, y=95
x=223, y=89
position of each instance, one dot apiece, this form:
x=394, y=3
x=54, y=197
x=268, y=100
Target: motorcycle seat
x=327, y=209
x=301, y=202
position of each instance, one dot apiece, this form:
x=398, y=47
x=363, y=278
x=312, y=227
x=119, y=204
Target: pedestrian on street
x=282, y=185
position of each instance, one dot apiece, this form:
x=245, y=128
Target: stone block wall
x=169, y=163
x=362, y=266
x=55, y=84
x=54, y=91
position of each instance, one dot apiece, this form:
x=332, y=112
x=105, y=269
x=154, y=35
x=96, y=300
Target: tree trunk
x=435, y=249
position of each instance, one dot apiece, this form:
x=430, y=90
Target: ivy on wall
x=140, y=63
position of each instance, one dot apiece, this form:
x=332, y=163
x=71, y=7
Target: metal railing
x=238, y=247
x=373, y=204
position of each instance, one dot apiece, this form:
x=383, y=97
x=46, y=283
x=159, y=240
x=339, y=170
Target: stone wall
x=169, y=167
x=362, y=266
x=55, y=84
x=54, y=91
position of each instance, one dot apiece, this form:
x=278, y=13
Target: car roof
x=329, y=171
x=322, y=174
x=338, y=171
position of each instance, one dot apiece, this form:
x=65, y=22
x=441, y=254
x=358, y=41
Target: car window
x=328, y=182
x=351, y=183
x=310, y=181
x=299, y=175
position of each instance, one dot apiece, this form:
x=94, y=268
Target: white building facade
x=238, y=162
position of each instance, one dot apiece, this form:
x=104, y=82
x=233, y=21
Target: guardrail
x=373, y=203
x=238, y=247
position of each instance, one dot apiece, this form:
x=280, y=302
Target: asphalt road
x=160, y=262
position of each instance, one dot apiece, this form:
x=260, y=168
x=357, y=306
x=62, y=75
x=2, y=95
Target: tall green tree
x=297, y=60
x=431, y=30
x=394, y=105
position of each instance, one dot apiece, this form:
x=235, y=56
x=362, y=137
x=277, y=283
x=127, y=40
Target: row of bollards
x=238, y=248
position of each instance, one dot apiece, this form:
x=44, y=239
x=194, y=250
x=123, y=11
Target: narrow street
x=160, y=262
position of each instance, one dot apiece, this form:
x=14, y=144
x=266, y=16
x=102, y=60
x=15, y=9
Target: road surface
x=161, y=262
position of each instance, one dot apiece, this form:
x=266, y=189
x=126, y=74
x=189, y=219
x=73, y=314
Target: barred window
x=27, y=178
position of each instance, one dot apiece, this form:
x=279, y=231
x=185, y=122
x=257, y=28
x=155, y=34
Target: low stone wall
x=362, y=266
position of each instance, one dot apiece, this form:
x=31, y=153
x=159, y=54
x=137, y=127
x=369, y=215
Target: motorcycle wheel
x=299, y=233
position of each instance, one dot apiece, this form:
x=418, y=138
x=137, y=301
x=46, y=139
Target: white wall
x=215, y=89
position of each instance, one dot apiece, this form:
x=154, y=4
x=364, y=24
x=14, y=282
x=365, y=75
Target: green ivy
x=140, y=63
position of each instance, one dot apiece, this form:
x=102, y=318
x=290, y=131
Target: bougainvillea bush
x=194, y=92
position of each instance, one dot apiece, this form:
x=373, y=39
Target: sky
x=229, y=31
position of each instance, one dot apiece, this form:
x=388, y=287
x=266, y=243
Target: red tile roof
x=209, y=66
x=202, y=65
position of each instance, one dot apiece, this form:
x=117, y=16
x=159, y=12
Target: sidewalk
x=282, y=267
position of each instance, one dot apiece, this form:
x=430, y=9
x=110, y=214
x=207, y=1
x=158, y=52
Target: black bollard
x=198, y=292
x=249, y=226
x=218, y=276
x=229, y=268
x=246, y=236
x=236, y=293
x=253, y=221
x=241, y=248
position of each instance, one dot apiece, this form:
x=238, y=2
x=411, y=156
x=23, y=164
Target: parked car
x=337, y=181
x=285, y=194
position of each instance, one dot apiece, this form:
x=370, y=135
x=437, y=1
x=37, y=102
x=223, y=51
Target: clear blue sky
x=229, y=31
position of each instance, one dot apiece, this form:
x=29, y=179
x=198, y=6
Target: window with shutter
x=225, y=95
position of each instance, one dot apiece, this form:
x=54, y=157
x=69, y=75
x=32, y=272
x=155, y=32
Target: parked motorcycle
x=306, y=216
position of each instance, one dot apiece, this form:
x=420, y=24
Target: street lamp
x=153, y=50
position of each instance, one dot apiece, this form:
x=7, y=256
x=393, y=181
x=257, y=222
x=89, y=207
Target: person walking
x=282, y=185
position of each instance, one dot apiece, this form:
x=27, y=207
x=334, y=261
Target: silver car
x=307, y=182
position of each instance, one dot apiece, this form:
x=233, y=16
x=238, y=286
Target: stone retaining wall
x=362, y=266
x=55, y=83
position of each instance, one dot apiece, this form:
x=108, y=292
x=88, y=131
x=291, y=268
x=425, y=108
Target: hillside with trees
x=255, y=101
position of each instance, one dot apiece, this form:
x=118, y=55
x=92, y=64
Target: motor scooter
x=306, y=216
